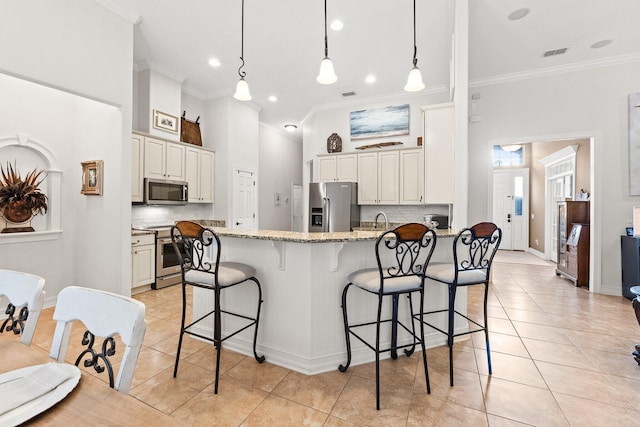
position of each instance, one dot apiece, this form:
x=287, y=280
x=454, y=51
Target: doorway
x=511, y=207
x=244, y=199
x=297, y=213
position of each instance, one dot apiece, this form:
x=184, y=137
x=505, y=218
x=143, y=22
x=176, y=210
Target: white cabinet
x=137, y=168
x=338, y=167
x=411, y=176
x=439, y=139
x=378, y=178
x=199, y=174
x=143, y=259
x=164, y=159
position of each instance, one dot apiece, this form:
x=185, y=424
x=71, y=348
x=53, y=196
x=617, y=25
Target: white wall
x=280, y=166
x=578, y=104
x=82, y=48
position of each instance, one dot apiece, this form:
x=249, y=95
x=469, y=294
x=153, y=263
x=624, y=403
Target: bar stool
x=473, y=252
x=198, y=250
x=402, y=255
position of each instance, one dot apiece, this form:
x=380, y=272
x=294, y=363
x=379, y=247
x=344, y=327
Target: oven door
x=167, y=261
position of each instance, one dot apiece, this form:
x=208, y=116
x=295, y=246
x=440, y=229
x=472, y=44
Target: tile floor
x=561, y=356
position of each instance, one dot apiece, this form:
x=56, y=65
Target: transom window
x=509, y=155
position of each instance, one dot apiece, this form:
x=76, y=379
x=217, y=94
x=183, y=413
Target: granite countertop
x=139, y=232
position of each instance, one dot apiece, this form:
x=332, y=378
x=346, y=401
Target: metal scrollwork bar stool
x=199, y=249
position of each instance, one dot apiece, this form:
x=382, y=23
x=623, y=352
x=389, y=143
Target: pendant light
x=414, y=81
x=327, y=75
x=242, y=88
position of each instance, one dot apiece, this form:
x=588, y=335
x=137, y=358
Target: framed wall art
x=380, y=122
x=634, y=144
x=165, y=121
x=92, y=176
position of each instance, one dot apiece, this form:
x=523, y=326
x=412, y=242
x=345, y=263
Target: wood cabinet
x=137, y=168
x=164, y=159
x=573, y=241
x=630, y=258
x=199, y=166
x=411, y=176
x=338, y=167
x=439, y=143
x=143, y=259
x=378, y=178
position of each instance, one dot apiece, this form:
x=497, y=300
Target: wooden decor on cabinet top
x=573, y=241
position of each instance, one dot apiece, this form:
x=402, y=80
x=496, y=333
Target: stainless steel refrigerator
x=333, y=206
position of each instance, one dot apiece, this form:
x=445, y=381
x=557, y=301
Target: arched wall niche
x=28, y=155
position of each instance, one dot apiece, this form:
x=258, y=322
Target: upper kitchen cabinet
x=164, y=159
x=338, y=167
x=137, y=168
x=439, y=139
x=199, y=172
x=378, y=178
x=411, y=176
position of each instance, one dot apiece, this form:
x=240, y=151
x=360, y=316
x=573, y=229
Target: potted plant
x=21, y=199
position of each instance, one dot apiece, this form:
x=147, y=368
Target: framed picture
x=92, y=177
x=380, y=122
x=165, y=121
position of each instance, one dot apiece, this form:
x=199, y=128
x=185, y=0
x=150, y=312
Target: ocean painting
x=380, y=122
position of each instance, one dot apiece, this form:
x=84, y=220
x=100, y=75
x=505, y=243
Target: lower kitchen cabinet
x=143, y=259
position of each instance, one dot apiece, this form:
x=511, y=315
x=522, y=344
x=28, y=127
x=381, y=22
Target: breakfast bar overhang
x=302, y=276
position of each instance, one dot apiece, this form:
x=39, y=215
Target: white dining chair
x=105, y=315
x=25, y=293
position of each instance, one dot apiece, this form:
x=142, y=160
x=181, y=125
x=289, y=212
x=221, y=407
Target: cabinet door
x=347, y=168
x=367, y=179
x=439, y=129
x=388, y=178
x=154, y=158
x=206, y=176
x=411, y=176
x=137, y=168
x=327, y=168
x=142, y=265
x=175, y=158
x=192, y=165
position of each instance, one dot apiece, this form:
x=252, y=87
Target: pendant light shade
x=327, y=75
x=414, y=81
x=242, y=88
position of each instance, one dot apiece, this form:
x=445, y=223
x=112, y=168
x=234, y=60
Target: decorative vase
x=334, y=143
x=17, y=212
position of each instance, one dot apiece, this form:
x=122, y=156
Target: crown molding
x=121, y=11
x=551, y=71
x=148, y=65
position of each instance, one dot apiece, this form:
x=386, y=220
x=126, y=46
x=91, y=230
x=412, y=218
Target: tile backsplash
x=144, y=216
x=402, y=213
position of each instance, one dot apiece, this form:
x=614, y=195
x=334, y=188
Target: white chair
x=105, y=315
x=25, y=292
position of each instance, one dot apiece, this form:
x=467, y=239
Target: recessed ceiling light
x=601, y=43
x=273, y=98
x=336, y=25
x=214, y=62
x=290, y=128
x=370, y=79
x=519, y=14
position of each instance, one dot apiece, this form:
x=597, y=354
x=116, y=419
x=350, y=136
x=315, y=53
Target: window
x=503, y=157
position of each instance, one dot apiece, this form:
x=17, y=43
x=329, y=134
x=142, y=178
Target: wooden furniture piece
x=402, y=255
x=199, y=251
x=473, y=252
x=91, y=402
x=105, y=315
x=573, y=241
x=25, y=293
x=630, y=262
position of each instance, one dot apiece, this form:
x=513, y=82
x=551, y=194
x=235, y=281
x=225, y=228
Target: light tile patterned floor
x=561, y=356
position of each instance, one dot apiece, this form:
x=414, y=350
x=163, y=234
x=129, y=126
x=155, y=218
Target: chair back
x=475, y=247
x=404, y=251
x=196, y=247
x=105, y=315
x=25, y=292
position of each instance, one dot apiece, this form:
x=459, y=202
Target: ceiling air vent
x=348, y=93
x=554, y=52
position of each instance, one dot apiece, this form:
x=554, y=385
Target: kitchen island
x=302, y=277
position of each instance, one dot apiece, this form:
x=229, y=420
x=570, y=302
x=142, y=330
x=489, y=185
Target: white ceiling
x=284, y=44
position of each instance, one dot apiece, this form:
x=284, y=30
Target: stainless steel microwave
x=160, y=192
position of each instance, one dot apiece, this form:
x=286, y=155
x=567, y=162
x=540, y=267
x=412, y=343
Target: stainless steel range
x=167, y=261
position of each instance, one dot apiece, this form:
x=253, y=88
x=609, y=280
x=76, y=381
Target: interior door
x=244, y=193
x=511, y=207
x=297, y=212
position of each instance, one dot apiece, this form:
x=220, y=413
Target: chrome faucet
x=386, y=220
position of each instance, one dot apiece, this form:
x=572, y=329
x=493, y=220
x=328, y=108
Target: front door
x=511, y=207
x=244, y=194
